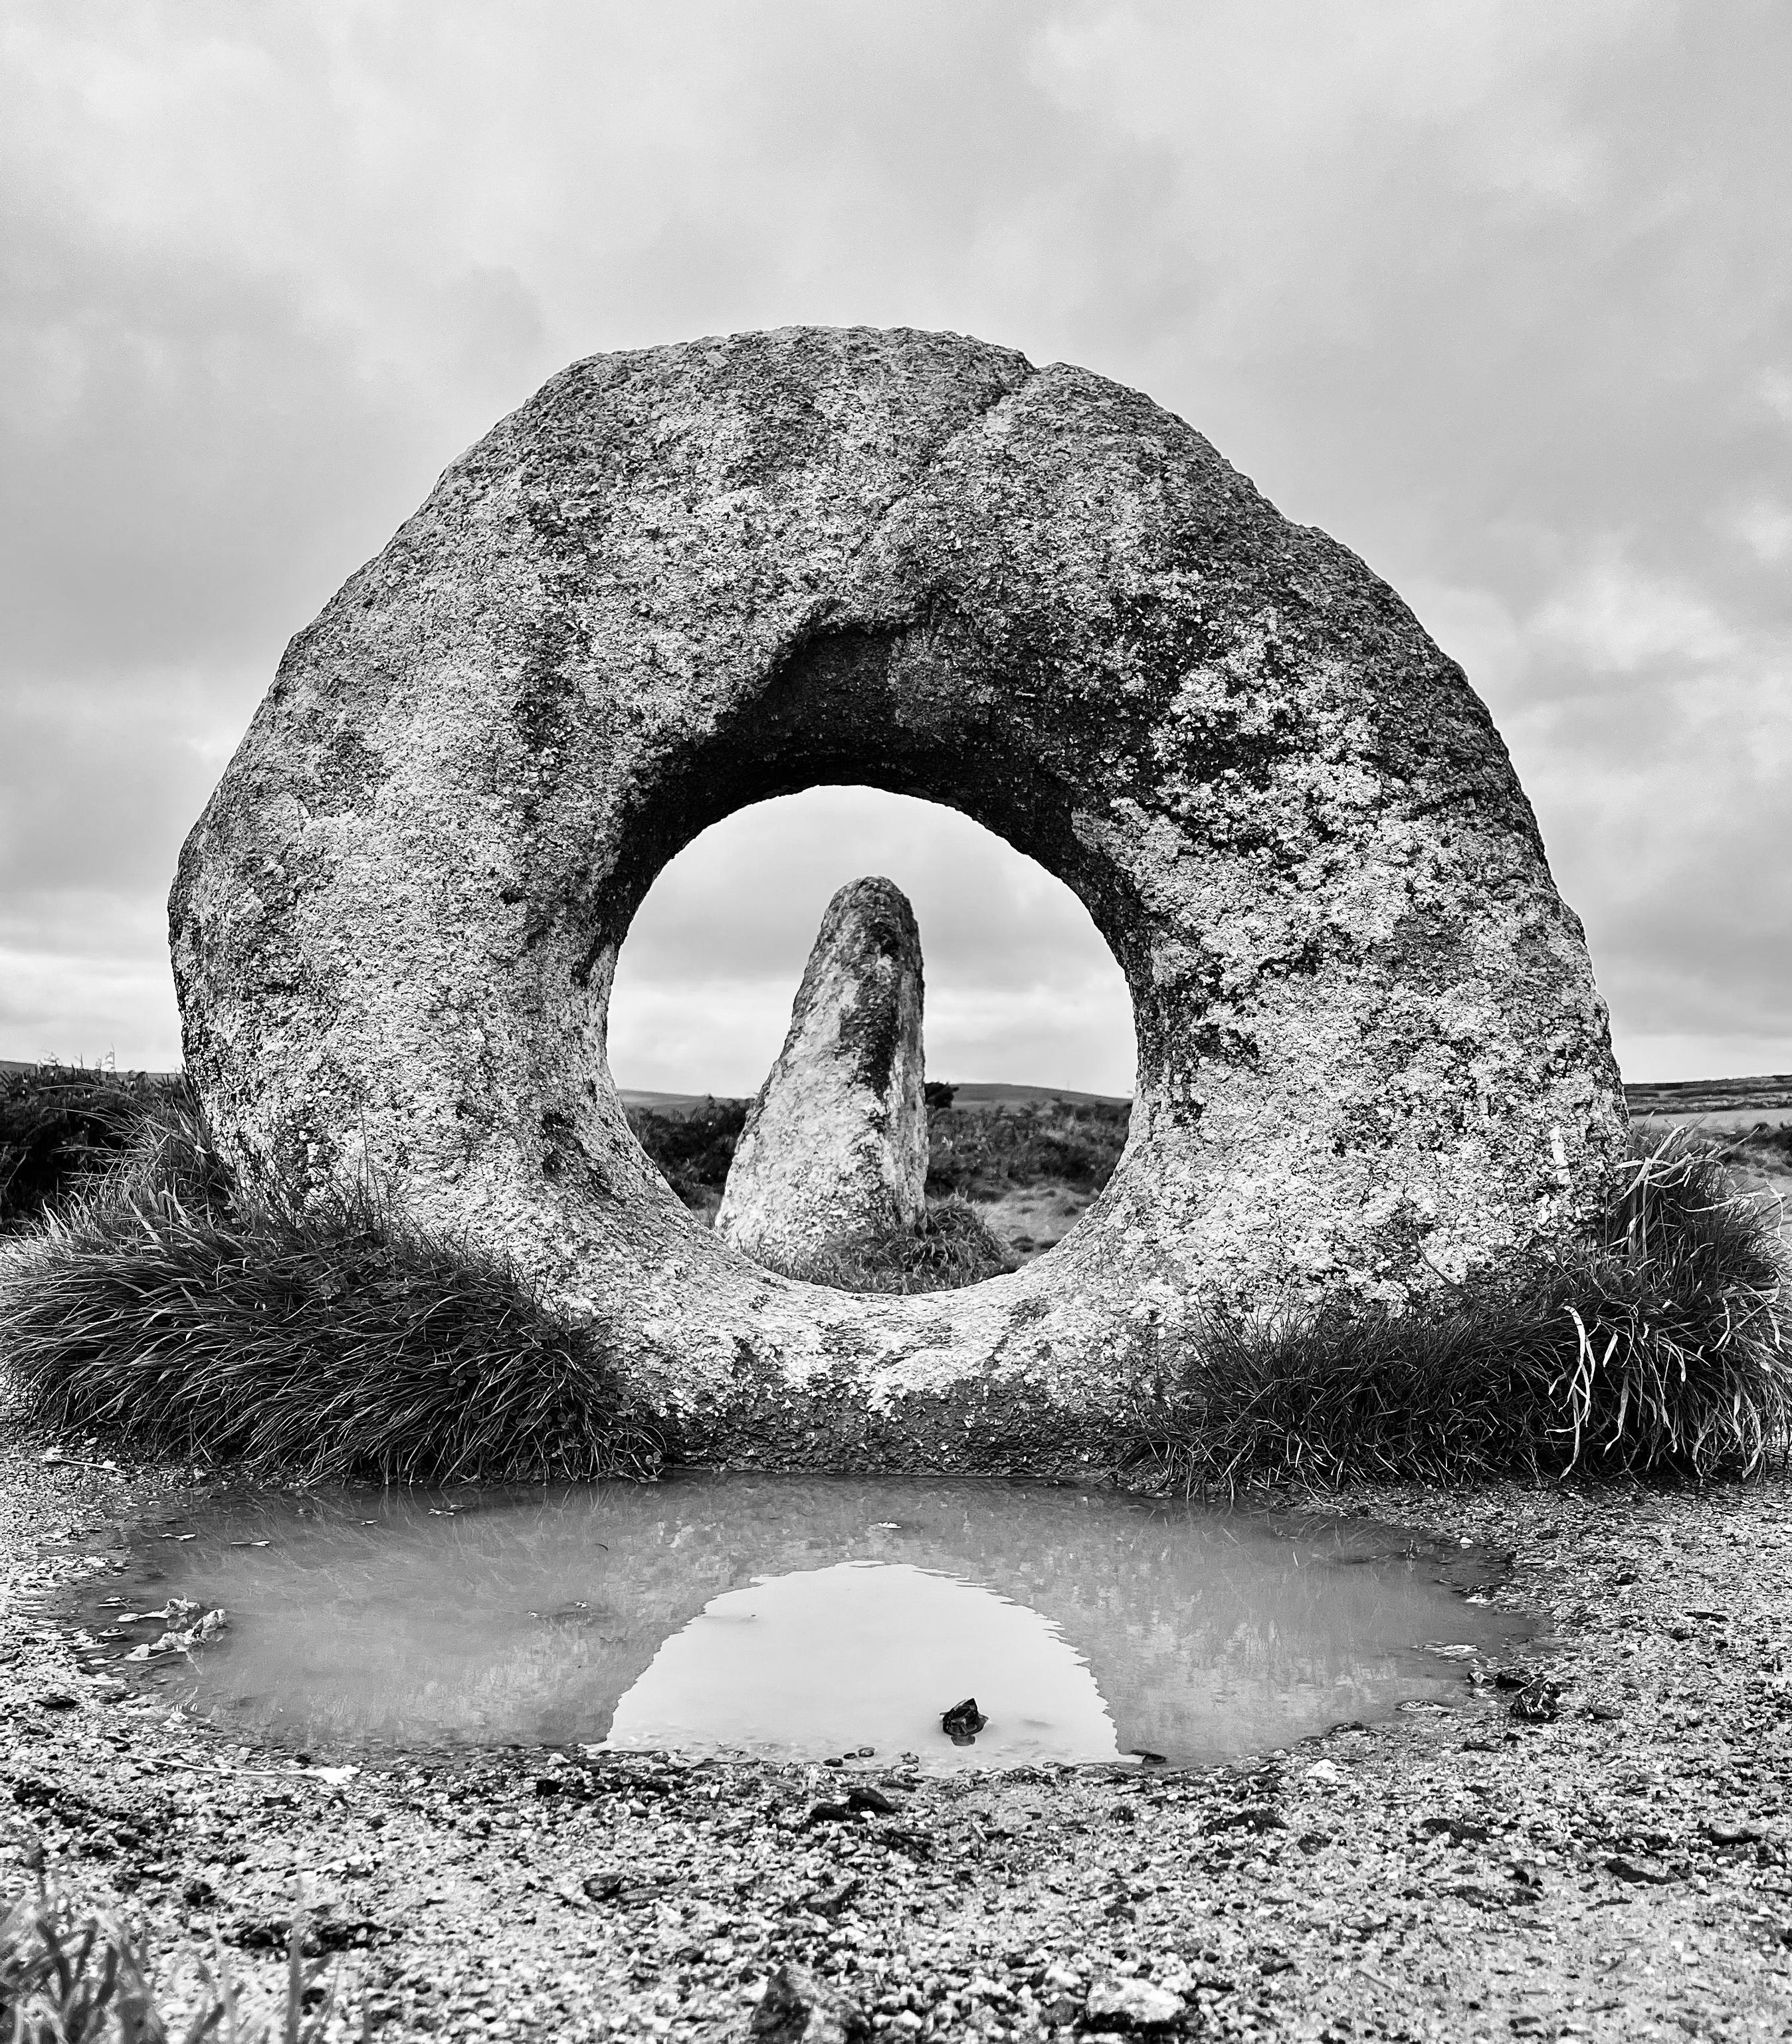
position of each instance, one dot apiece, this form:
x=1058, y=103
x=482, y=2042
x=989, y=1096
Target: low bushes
x=978, y=1153
x=692, y=1150
x=61, y=1125
x=972, y=1153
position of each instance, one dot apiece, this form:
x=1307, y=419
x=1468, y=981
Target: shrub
x=981, y=1154
x=61, y=1125
x=331, y=1340
x=951, y=1246
x=1657, y=1347
x=1768, y=1145
x=693, y=1151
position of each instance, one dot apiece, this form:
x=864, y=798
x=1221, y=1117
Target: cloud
x=1497, y=295
x=1020, y=983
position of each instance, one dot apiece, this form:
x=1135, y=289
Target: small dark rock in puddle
x=797, y=2008
x=963, y=1722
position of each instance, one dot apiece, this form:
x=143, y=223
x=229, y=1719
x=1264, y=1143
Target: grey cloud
x=1497, y=295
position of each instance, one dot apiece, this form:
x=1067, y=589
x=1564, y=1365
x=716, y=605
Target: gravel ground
x=1619, y=1871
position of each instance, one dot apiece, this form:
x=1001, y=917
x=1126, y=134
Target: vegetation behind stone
x=980, y=1154
x=972, y=1153
x=692, y=1150
x=60, y=1124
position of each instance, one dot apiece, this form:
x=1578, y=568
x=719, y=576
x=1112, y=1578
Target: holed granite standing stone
x=836, y=1142
x=1372, y=1061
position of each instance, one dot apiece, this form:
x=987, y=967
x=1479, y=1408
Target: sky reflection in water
x=801, y=1617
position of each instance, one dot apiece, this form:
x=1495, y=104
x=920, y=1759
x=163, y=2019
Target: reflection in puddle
x=801, y=1617
x=806, y=1664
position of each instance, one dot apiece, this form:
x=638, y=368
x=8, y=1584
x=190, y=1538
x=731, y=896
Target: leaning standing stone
x=837, y=1141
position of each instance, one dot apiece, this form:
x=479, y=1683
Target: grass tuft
x=92, y=1984
x=951, y=1247
x=169, y=1311
x=1659, y=1347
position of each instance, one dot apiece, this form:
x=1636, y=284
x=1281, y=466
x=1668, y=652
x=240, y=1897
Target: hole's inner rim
x=603, y=987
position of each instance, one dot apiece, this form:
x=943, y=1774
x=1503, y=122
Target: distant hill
x=1728, y=1102
x=985, y=1094
x=1768, y=1094
x=93, y=1071
x=991, y=1093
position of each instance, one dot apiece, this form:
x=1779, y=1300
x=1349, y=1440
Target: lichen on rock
x=1371, y=1059
x=836, y=1143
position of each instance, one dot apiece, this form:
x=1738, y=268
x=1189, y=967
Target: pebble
x=1132, y=2004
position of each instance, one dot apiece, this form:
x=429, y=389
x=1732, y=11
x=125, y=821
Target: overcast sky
x=1498, y=294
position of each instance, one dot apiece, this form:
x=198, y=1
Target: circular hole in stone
x=1027, y=1015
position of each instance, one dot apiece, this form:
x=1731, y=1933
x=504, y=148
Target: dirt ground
x=1456, y=1872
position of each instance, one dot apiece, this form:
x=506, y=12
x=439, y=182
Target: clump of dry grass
x=171, y=1310
x=1659, y=1347
x=950, y=1246
x=61, y=1983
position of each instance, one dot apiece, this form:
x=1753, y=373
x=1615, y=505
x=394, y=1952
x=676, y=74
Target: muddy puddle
x=789, y=1617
